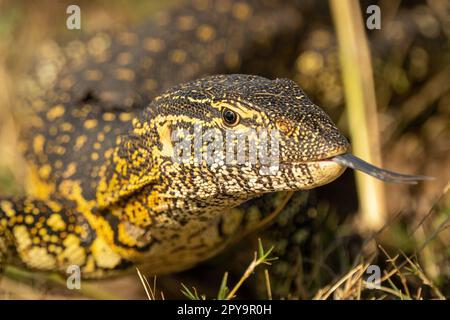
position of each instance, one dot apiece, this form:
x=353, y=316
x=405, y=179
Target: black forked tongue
x=349, y=160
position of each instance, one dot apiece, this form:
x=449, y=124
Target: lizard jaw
x=324, y=172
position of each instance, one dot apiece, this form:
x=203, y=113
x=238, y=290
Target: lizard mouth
x=353, y=162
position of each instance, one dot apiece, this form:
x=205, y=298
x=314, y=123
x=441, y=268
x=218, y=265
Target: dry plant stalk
x=149, y=290
x=361, y=106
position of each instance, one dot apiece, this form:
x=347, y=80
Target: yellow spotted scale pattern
x=103, y=189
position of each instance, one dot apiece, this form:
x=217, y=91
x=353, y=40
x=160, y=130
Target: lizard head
x=237, y=136
x=221, y=140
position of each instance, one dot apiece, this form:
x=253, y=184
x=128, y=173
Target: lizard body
x=104, y=191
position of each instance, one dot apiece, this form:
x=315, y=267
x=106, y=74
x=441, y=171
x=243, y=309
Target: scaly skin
x=104, y=190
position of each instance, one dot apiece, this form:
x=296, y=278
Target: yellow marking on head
x=165, y=138
x=38, y=144
x=55, y=112
x=79, y=143
x=205, y=100
x=162, y=120
x=237, y=107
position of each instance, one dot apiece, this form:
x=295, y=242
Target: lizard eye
x=230, y=117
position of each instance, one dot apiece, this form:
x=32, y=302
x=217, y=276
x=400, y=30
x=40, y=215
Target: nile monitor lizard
x=105, y=191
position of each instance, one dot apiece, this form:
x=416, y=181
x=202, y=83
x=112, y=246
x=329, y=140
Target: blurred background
x=410, y=57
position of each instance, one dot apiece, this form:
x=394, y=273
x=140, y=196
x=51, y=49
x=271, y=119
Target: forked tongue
x=349, y=160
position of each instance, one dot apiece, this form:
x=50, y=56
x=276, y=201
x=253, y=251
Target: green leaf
x=191, y=295
x=223, y=290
